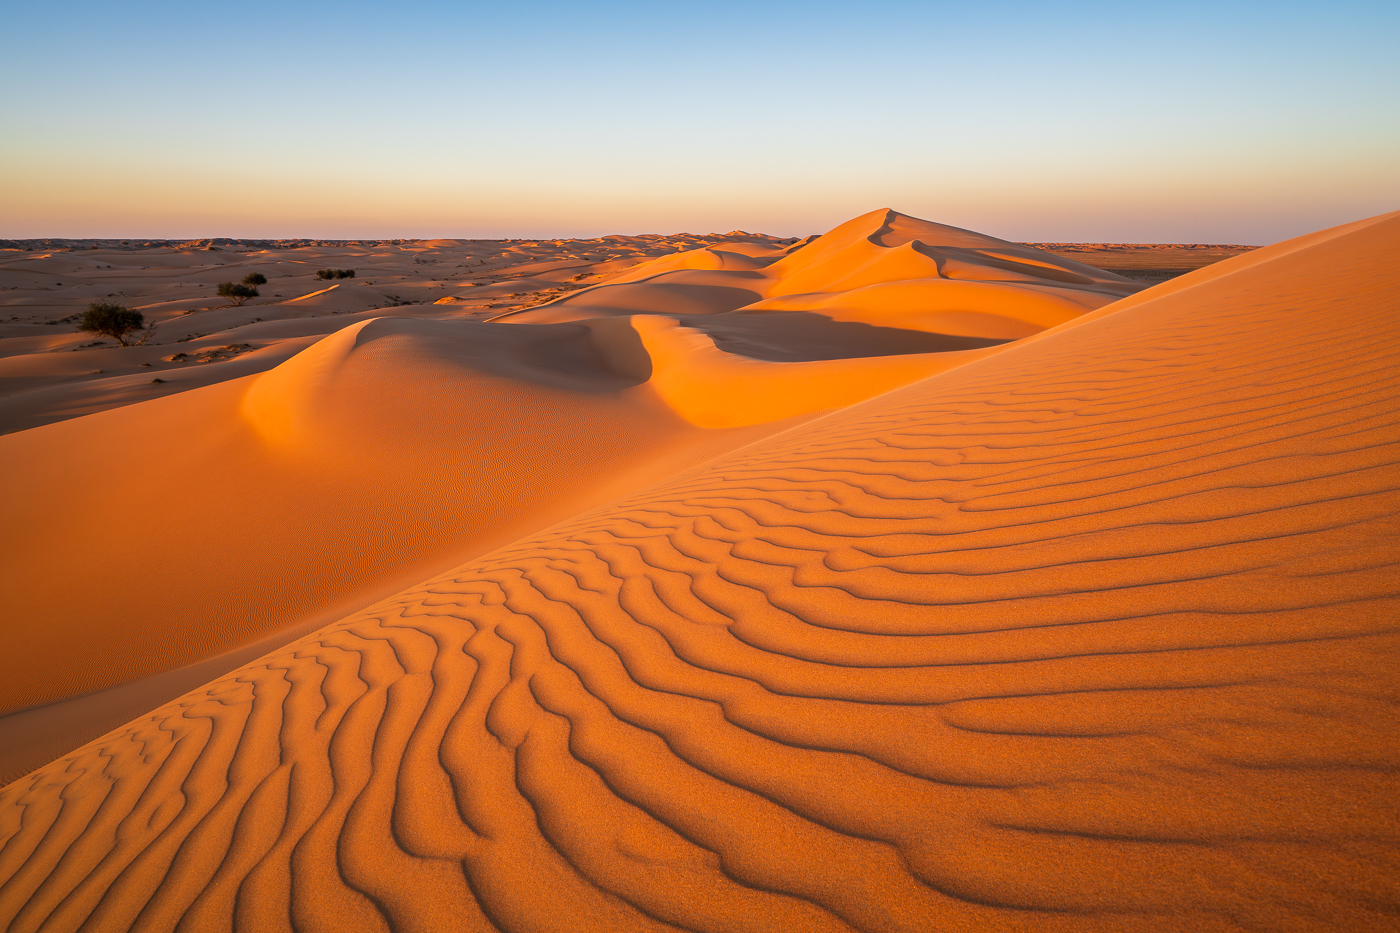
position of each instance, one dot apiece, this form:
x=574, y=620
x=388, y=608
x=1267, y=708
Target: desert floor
x=896, y=579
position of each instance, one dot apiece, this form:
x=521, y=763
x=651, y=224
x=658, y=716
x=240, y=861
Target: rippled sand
x=797, y=627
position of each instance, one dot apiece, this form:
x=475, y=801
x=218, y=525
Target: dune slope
x=193, y=525
x=1096, y=633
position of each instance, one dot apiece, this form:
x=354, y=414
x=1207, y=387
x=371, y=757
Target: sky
x=1212, y=122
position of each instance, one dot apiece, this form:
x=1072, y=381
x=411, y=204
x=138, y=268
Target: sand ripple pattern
x=1099, y=634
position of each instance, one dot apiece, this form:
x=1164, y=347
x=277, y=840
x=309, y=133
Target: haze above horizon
x=1234, y=123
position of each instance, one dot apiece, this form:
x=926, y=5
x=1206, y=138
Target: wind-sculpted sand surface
x=1096, y=631
x=255, y=504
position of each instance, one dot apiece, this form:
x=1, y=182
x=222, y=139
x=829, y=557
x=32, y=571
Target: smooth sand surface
x=1093, y=630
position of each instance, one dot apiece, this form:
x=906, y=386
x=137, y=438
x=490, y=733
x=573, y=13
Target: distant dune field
x=1146, y=262
x=897, y=579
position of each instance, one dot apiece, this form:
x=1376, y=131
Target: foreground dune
x=1093, y=632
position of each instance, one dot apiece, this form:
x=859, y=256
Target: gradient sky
x=1202, y=122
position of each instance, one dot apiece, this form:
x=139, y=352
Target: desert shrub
x=111, y=320
x=345, y=273
x=335, y=273
x=236, y=292
x=254, y=279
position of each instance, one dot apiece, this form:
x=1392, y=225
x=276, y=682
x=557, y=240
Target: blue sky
x=1243, y=122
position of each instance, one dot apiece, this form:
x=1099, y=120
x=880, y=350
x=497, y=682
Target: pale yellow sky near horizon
x=73, y=201
x=1242, y=122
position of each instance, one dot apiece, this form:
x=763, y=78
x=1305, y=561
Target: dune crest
x=1095, y=632
x=277, y=403
x=960, y=272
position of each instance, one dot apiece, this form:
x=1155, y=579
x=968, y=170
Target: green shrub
x=335, y=273
x=254, y=279
x=111, y=320
x=236, y=293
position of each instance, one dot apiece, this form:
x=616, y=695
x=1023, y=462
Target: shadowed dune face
x=942, y=306
x=666, y=293
x=299, y=401
x=1096, y=631
x=713, y=389
x=803, y=337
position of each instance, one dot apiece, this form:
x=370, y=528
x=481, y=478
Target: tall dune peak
x=887, y=228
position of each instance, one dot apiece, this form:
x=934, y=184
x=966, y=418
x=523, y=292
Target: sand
x=50, y=372
x=281, y=479
x=1086, y=628
x=1146, y=262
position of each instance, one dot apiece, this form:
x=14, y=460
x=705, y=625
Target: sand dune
x=44, y=290
x=881, y=268
x=218, y=517
x=1093, y=631
x=308, y=477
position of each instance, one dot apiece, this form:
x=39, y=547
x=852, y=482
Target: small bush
x=335, y=273
x=236, y=293
x=111, y=320
x=254, y=279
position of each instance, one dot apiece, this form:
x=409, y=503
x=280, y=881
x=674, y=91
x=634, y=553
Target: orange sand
x=266, y=505
x=1093, y=630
